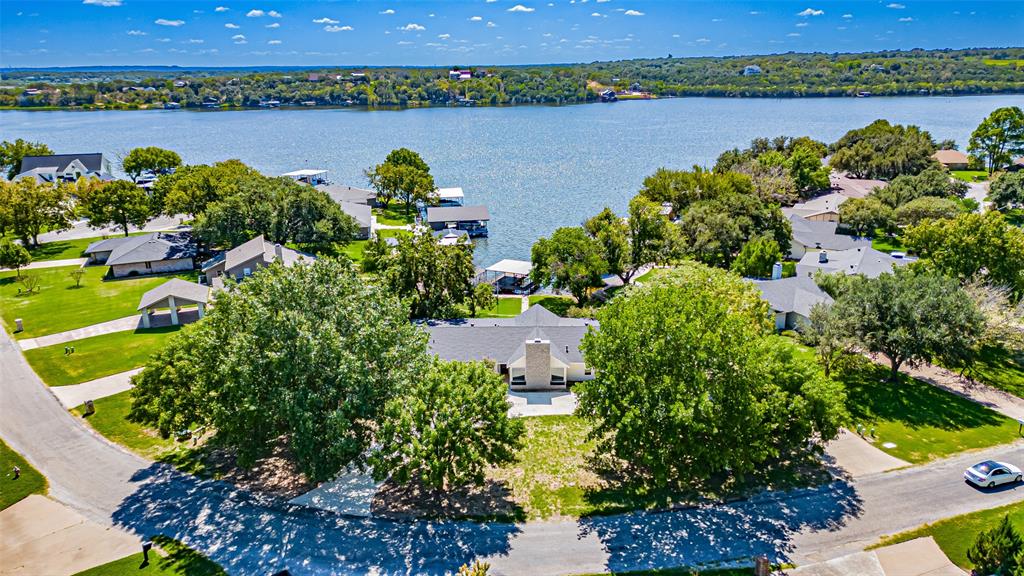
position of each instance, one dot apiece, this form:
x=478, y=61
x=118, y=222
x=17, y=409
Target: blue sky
x=466, y=32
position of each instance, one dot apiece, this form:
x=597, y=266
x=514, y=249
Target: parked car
x=991, y=473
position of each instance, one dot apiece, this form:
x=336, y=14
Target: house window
x=588, y=371
x=149, y=265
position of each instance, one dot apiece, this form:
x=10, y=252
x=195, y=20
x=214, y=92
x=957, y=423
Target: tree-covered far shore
x=888, y=73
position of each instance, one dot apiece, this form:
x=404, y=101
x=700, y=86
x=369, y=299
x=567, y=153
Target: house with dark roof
x=472, y=219
x=68, y=167
x=246, y=258
x=791, y=299
x=155, y=253
x=535, y=351
x=816, y=235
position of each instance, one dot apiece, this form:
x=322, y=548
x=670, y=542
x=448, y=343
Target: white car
x=991, y=473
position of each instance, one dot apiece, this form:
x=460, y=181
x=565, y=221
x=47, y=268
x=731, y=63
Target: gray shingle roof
x=822, y=235
x=866, y=261
x=795, y=294
x=154, y=247
x=182, y=290
x=457, y=213
x=92, y=161
x=341, y=193
x=362, y=213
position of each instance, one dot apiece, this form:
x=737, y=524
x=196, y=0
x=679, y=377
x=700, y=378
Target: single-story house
x=853, y=187
x=174, y=294
x=472, y=219
x=362, y=214
x=154, y=253
x=537, y=350
x=244, y=259
x=815, y=235
x=861, y=260
x=68, y=167
x=821, y=209
x=952, y=159
x=791, y=299
x=341, y=193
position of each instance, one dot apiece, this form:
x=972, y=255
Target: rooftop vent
x=822, y=257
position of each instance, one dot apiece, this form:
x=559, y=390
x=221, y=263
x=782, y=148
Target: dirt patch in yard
x=492, y=501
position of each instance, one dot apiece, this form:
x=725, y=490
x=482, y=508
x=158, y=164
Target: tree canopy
x=28, y=209
x=933, y=181
x=11, y=154
x=691, y=381
x=119, y=203
x=190, y=189
x=569, y=260
x=757, y=258
x=403, y=175
x=310, y=353
x=434, y=279
x=865, y=215
x=149, y=159
x=13, y=255
x=883, y=150
x=1007, y=191
x=999, y=138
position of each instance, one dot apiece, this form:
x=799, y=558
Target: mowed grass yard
x=955, y=535
x=97, y=356
x=558, y=304
x=180, y=560
x=30, y=482
x=505, y=308
x=110, y=420
x=58, y=305
x=922, y=421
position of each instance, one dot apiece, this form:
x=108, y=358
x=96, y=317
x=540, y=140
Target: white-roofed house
x=813, y=236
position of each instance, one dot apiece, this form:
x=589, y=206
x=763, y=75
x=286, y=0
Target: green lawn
x=652, y=274
x=58, y=305
x=924, y=422
x=505, y=308
x=955, y=535
x=98, y=356
x=969, y=175
x=30, y=482
x=180, y=561
x=65, y=249
x=394, y=215
x=110, y=421
x=1001, y=368
x=885, y=243
x=558, y=304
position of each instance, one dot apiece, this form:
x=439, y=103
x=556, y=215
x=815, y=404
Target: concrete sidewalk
x=40, y=536
x=75, y=395
x=51, y=264
x=156, y=320
x=541, y=403
x=918, y=557
x=849, y=454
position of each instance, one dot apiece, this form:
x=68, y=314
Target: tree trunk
x=124, y=226
x=894, y=370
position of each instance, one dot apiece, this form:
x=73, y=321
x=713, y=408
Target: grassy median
x=97, y=356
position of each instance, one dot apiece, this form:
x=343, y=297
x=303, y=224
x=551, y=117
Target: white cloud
x=754, y=13
x=702, y=40
x=146, y=50
x=491, y=24
x=716, y=19
x=221, y=9
x=239, y=39
x=793, y=34
x=136, y=33
x=491, y=1
x=603, y=1
x=801, y=24
x=273, y=42
x=810, y=12
x=412, y=26
x=387, y=12
x=633, y=13
x=847, y=16
x=231, y=26
x=475, y=18
x=444, y=36
x=273, y=25
x=907, y=19
x=895, y=6
x=337, y=28
x=104, y=3
x=274, y=14
x=405, y=43
x=520, y=8
x=195, y=41
x=596, y=14
x=163, y=39
x=255, y=13
x=166, y=22
x=325, y=20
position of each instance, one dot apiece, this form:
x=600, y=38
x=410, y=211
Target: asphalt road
x=251, y=537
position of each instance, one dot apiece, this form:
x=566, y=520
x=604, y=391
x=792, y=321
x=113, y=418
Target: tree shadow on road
x=249, y=534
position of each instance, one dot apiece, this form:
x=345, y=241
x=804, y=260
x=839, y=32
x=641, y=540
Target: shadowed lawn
x=924, y=422
x=955, y=535
x=111, y=421
x=30, y=482
x=1001, y=368
x=58, y=305
x=558, y=304
x=505, y=308
x=98, y=356
x=180, y=561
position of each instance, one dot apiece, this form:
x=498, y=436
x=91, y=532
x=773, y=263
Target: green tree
x=483, y=298
x=310, y=217
x=997, y=551
x=690, y=380
x=999, y=137
x=931, y=182
x=612, y=233
x=971, y=246
x=757, y=257
x=883, y=150
x=119, y=203
x=28, y=209
x=806, y=169
x=865, y=215
x=13, y=255
x=11, y=154
x=434, y=279
x=448, y=426
x=715, y=230
x=652, y=238
x=149, y=159
x=310, y=354
x=911, y=317
x=1007, y=191
x=926, y=207
x=190, y=189
x=827, y=333
x=403, y=175
x=569, y=260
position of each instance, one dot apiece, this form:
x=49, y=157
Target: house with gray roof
x=535, y=351
x=68, y=167
x=791, y=299
x=246, y=258
x=362, y=214
x=342, y=193
x=472, y=219
x=814, y=236
x=861, y=260
x=154, y=253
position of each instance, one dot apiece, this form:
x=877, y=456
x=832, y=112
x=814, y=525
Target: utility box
x=18, y=326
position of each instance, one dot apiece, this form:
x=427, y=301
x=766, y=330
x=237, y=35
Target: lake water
x=536, y=168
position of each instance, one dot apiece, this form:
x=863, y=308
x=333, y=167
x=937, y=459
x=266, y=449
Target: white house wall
x=164, y=266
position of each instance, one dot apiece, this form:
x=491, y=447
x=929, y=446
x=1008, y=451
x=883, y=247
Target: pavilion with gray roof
x=172, y=295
